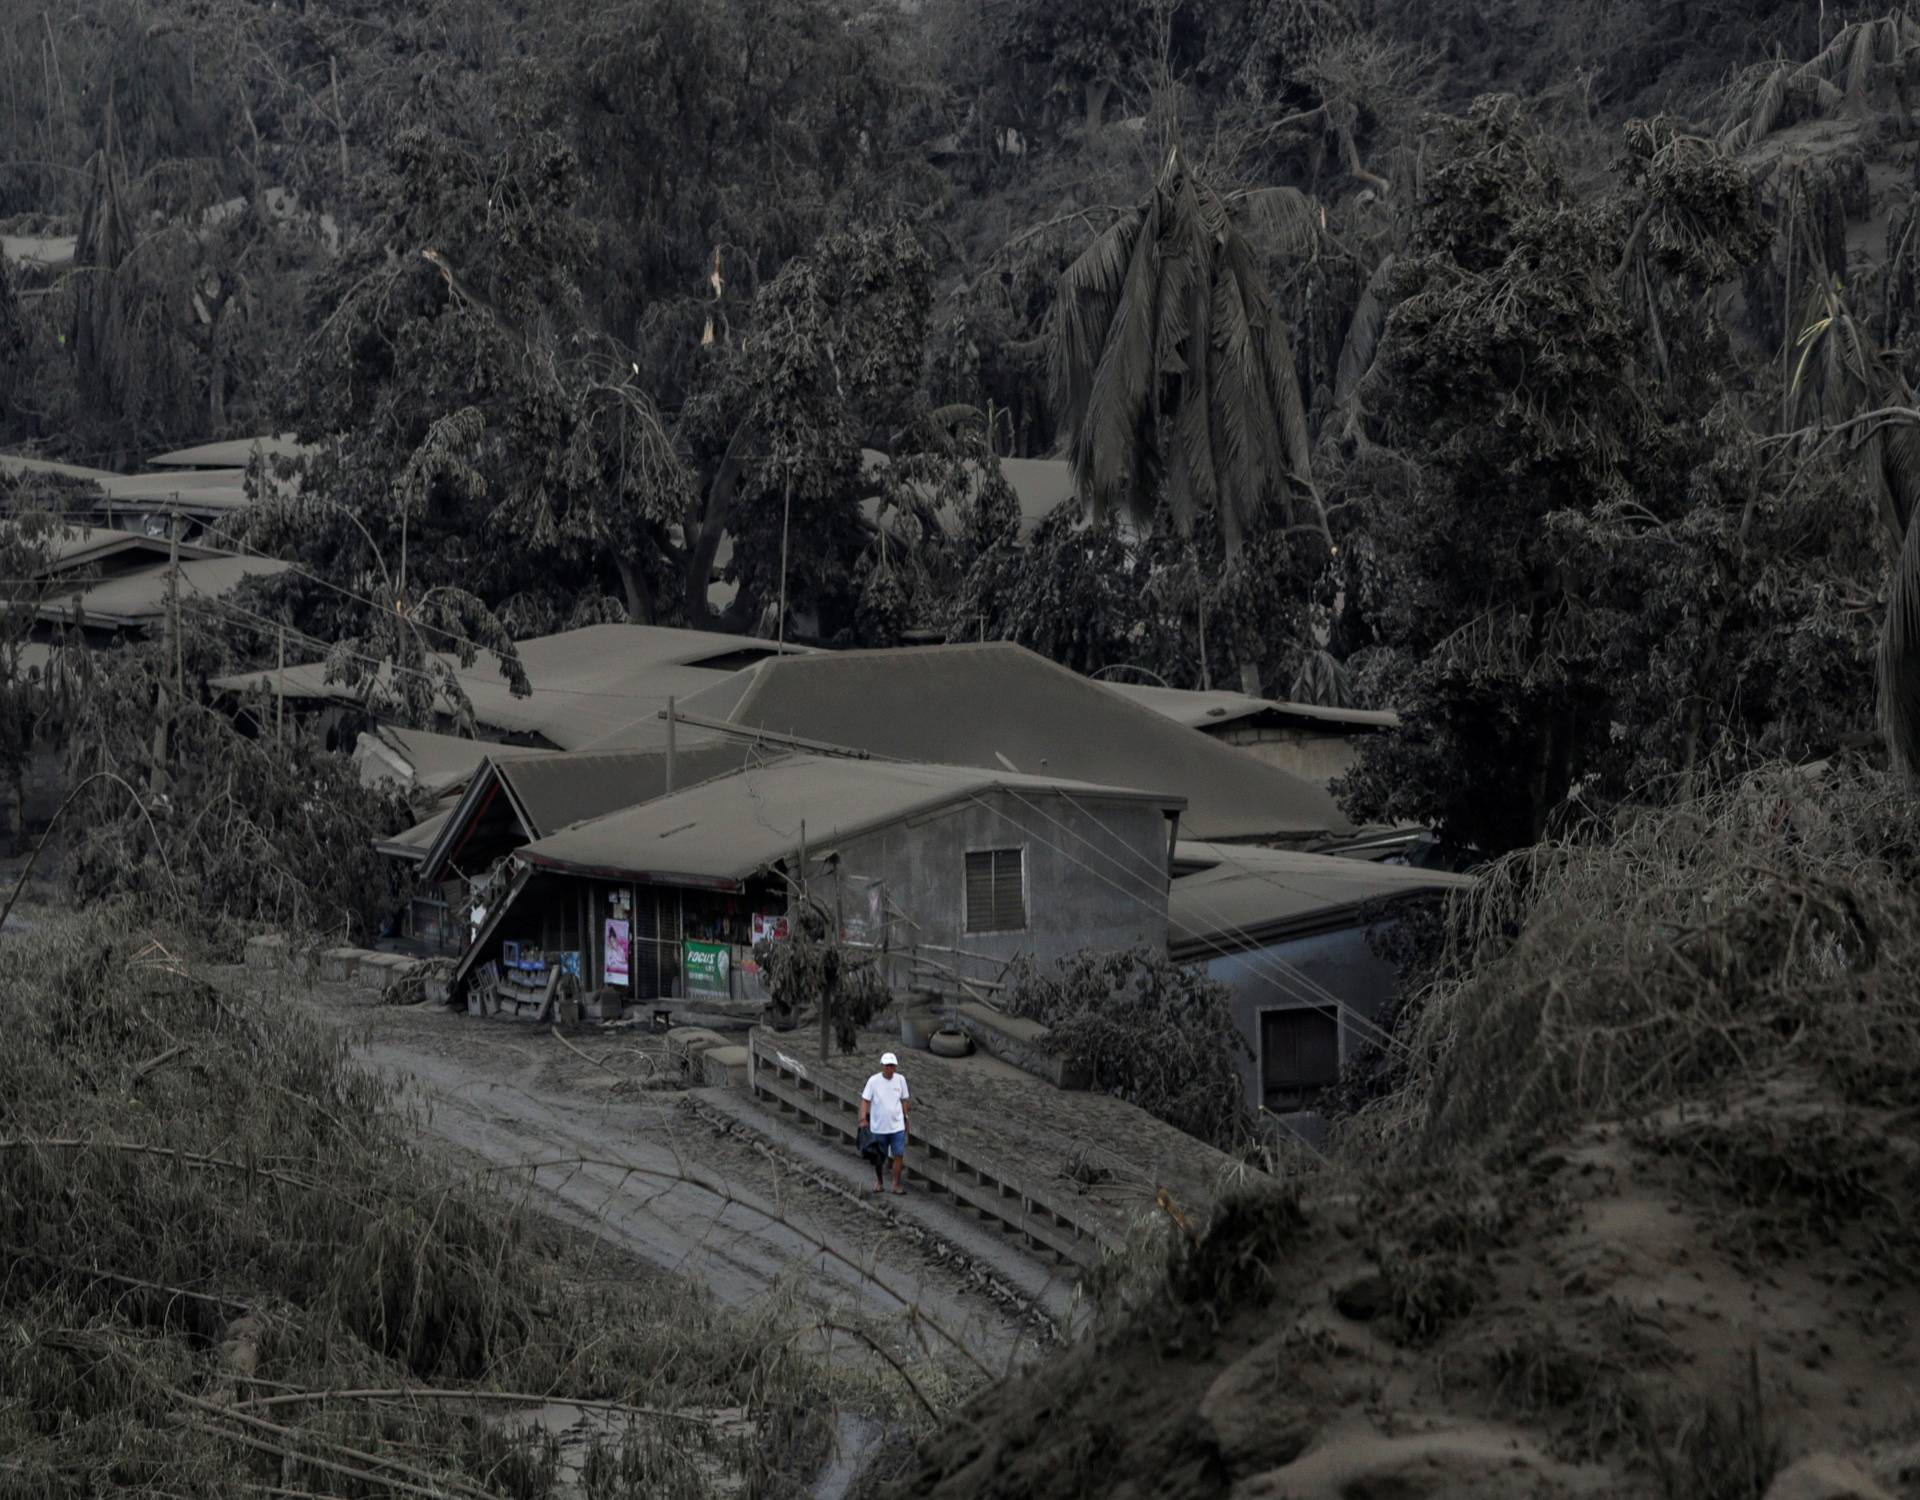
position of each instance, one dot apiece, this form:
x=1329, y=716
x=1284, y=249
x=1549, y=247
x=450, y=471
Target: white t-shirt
x=884, y=1094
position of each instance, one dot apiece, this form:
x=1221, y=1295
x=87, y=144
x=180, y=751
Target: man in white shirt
x=883, y=1111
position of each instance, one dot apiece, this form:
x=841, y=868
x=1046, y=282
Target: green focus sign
x=706, y=969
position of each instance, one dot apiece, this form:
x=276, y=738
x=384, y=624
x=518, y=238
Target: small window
x=996, y=890
x=1299, y=1056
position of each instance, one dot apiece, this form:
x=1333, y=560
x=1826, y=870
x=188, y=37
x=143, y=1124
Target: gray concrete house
x=949, y=870
x=1288, y=933
x=517, y=795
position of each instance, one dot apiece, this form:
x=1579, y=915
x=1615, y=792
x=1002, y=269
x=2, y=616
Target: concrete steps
x=967, y=1180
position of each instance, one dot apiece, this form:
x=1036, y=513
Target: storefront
x=674, y=943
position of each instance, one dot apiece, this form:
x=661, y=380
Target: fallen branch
x=154, y=1064
x=594, y=1061
x=186, y=1158
x=421, y=1393
x=18, y=1253
x=412, y=1478
x=280, y=1450
x=886, y=1354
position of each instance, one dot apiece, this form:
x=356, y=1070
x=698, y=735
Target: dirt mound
x=1642, y=1216
x=1674, y=1307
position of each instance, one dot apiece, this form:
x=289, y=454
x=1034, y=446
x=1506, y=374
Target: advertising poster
x=618, y=947
x=769, y=929
x=707, y=965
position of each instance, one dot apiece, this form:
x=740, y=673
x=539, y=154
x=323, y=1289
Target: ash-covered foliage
x=210, y=1217
x=1140, y=1027
x=1760, y=934
x=810, y=969
x=178, y=808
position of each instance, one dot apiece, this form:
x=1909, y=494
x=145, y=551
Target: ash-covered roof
x=235, y=453
x=520, y=799
x=140, y=598
x=1244, y=896
x=1000, y=706
x=724, y=831
x=1212, y=710
x=601, y=687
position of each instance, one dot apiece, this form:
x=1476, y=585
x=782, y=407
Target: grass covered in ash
x=209, y=1217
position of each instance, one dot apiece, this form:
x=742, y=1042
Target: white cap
x=887, y=1058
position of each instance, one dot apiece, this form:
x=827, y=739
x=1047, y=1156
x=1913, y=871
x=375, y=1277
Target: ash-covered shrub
x=209, y=828
x=1138, y=1026
x=210, y=1215
x=1685, y=953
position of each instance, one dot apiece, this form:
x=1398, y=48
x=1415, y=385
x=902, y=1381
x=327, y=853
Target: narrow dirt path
x=504, y=1098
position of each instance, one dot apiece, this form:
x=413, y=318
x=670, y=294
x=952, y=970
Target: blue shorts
x=894, y=1140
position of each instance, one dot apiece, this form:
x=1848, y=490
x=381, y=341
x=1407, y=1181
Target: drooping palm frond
x=1755, y=105
x=1363, y=338
x=1285, y=216
x=1849, y=74
x=1838, y=366
x=1322, y=681
x=1171, y=365
x=1900, y=659
x=1899, y=462
x=1089, y=292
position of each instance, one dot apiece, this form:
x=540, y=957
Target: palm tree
x=1174, y=374
x=1842, y=383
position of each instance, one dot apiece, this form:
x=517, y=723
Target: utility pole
x=786, y=518
x=793, y=929
x=173, y=598
x=670, y=745
x=280, y=692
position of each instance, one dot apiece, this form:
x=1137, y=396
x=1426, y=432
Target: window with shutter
x=996, y=890
x=1300, y=1056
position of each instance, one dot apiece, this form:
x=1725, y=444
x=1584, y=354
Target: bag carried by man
x=874, y=1150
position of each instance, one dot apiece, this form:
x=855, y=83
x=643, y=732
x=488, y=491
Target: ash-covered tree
x=176, y=808
x=828, y=363
x=477, y=440
x=1082, y=50
x=1174, y=374
x=1519, y=361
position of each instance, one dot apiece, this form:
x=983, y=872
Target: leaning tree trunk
x=639, y=604
x=1233, y=543
x=1097, y=90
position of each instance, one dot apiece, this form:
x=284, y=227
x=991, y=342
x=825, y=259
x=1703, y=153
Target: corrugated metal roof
x=437, y=763
x=1209, y=710
x=724, y=831
x=137, y=598
x=558, y=790
x=234, y=453
x=1250, y=896
x=414, y=843
x=19, y=463
x=591, y=687
x=82, y=546
x=1000, y=705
